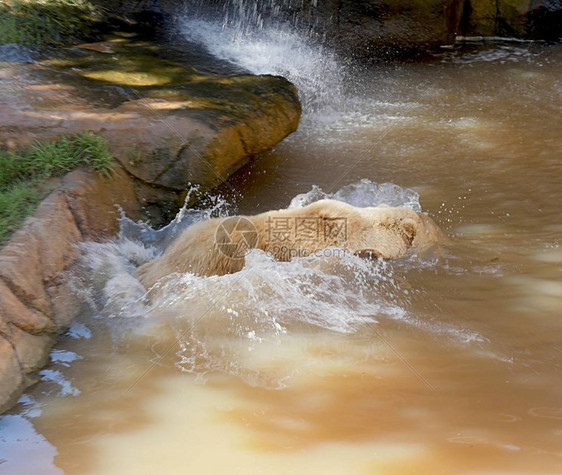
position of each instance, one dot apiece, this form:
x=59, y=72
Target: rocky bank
x=168, y=124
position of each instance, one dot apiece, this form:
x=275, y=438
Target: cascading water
x=263, y=39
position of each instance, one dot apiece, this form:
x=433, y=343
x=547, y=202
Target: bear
x=218, y=246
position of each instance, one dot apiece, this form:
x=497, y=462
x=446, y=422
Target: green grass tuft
x=49, y=159
x=91, y=150
x=11, y=167
x=22, y=176
x=16, y=203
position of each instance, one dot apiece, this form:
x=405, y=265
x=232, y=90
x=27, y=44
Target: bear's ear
x=369, y=254
x=409, y=230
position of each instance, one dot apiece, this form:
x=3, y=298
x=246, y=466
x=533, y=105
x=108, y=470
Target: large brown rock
x=13, y=311
x=65, y=302
x=56, y=233
x=390, y=27
x=32, y=350
x=39, y=251
x=169, y=125
x=96, y=202
x=20, y=269
x=36, y=300
x=180, y=147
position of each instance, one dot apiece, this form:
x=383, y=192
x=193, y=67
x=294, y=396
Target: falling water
x=263, y=39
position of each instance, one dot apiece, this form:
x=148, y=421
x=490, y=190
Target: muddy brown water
x=463, y=376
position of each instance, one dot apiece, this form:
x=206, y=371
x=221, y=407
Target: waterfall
x=271, y=37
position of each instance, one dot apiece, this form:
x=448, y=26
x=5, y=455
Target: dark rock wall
x=530, y=19
x=390, y=28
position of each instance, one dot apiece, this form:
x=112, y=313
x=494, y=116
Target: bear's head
x=392, y=232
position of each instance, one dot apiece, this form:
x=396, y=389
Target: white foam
x=501, y=54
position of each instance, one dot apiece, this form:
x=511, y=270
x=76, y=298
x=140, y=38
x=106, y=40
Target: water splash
x=338, y=96
x=271, y=47
x=160, y=239
x=104, y=275
x=223, y=322
x=363, y=194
